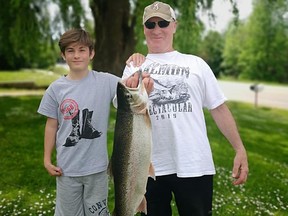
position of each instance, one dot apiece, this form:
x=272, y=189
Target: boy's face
x=78, y=57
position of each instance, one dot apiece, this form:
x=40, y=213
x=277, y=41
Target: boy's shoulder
x=104, y=75
x=58, y=80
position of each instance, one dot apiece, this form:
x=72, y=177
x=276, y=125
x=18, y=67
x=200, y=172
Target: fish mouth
x=139, y=82
x=130, y=88
x=140, y=89
x=133, y=99
x=135, y=89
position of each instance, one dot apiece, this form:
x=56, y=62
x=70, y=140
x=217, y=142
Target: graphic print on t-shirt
x=69, y=108
x=171, y=92
x=87, y=130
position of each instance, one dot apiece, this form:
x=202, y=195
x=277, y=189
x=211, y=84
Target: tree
x=27, y=32
x=25, y=40
x=235, y=38
x=211, y=49
x=266, y=50
x=117, y=38
x=114, y=31
x=258, y=49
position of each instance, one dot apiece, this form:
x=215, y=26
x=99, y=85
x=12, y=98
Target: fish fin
x=152, y=171
x=143, y=206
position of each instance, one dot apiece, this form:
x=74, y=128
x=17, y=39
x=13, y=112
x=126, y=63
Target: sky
x=223, y=12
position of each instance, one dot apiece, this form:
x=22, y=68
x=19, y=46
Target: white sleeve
x=214, y=96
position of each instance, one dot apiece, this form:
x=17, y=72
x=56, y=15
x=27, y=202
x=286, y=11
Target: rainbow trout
x=131, y=157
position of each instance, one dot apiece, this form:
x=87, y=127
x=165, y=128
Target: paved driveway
x=270, y=96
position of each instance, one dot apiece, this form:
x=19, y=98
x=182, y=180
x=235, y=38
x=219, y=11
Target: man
x=183, y=85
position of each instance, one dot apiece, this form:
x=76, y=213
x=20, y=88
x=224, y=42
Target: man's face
x=160, y=40
x=78, y=57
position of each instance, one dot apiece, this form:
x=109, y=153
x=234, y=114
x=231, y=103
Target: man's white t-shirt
x=183, y=85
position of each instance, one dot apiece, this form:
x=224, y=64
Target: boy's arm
x=49, y=144
x=137, y=59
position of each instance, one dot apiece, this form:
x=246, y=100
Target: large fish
x=131, y=157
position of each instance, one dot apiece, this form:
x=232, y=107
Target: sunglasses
x=152, y=25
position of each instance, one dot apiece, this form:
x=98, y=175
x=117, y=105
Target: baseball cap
x=159, y=9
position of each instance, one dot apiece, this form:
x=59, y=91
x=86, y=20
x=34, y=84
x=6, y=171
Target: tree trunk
x=114, y=33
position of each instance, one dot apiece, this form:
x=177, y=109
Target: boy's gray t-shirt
x=82, y=109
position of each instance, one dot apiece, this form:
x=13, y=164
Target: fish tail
x=152, y=172
x=143, y=206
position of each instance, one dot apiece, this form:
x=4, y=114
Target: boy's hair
x=75, y=36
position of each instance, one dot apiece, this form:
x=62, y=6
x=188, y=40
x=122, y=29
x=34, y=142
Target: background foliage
x=256, y=48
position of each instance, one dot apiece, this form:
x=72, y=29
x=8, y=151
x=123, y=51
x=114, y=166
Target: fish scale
x=131, y=156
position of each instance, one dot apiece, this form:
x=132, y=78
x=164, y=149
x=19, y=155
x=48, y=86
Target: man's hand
x=133, y=81
x=240, y=168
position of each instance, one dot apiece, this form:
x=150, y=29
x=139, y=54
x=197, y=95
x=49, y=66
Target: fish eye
x=128, y=96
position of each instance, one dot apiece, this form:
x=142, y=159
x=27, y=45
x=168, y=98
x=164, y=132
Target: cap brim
x=163, y=16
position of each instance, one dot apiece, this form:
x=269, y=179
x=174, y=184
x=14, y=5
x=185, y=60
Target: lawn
x=27, y=189
x=41, y=78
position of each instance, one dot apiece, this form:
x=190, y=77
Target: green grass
x=39, y=77
x=27, y=189
x=264, y=132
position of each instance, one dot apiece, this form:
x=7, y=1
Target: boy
x=77, y=108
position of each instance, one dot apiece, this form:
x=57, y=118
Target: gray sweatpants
x=82, y=196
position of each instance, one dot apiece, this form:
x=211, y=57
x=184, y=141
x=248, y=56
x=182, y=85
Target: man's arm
x=49, y=144
x=227, y=125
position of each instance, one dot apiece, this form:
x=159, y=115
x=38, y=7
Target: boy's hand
x=136, y=59
x=53, y=170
